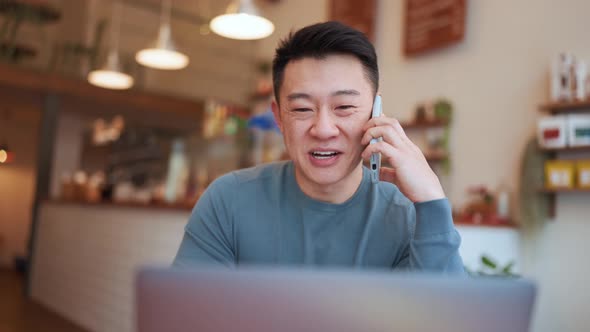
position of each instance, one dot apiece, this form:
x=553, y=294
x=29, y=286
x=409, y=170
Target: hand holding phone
x=407, y=167
x=376, y=157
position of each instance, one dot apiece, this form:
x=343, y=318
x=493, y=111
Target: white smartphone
x=376, y=157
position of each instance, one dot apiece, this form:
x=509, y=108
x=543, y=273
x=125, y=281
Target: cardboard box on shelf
x=583, y=174
x=552, y=131
x=579, y=129
x=559, y=174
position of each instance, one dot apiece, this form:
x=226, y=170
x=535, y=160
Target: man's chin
x=326, y=176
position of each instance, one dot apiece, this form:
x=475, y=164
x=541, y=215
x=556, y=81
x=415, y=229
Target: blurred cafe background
x=116, y=115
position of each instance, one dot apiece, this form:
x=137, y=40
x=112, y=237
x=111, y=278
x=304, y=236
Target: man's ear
x=277, y=113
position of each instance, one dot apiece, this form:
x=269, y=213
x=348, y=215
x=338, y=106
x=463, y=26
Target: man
x=321, y=208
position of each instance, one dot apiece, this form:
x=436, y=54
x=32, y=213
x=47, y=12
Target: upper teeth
x=324, y=153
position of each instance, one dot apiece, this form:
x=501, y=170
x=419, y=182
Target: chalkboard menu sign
x=432, y=24
x=359, y=14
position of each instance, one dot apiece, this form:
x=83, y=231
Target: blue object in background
x=264, y=121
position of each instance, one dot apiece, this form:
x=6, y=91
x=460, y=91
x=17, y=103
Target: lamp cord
x=166, y=10
x=116, y=28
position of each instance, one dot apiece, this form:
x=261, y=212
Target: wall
x=496, y=78
x=556, y=260
x=289, y=15
x=19, y=128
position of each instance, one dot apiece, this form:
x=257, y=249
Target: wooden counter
x=114, y=205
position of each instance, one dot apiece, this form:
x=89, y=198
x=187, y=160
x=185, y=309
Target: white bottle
x=177, y=170
x=561, y=77
x=503, y=201
x=581, y=72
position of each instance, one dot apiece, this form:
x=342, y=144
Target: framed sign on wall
x=432, y=24
x=359, y=14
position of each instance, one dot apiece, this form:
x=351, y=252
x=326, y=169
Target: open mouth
x=324, y=154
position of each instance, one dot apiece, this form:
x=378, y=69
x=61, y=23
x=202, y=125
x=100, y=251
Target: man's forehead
x=328, y=61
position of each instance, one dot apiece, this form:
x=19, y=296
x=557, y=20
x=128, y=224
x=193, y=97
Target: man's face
x=324, y=104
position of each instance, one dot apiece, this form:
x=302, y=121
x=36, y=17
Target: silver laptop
x=289, y=300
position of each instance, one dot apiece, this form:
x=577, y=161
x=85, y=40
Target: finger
x=388, y=152
x=380, y=121
x=387, y=132
x=387, y=121
x=388, y=174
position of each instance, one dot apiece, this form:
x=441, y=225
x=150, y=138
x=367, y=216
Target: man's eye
x=345, y=107
x=302, y=109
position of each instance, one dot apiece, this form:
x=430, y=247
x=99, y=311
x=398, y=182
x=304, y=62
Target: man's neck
x=336, y=193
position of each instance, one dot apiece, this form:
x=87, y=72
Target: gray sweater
x=261, y=216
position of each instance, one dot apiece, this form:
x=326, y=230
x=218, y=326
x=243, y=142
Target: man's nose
x=324, y=125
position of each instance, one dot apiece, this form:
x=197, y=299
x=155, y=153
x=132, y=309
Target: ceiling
x=192, y=10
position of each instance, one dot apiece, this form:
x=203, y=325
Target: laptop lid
x=264, y=300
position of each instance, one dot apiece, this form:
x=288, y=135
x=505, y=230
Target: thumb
x=388, y=174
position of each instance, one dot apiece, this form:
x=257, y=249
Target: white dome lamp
x=163, y=53
x=110, y=76
x=242, y=21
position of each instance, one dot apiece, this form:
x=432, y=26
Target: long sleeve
x=435, y=243
x=208, y=237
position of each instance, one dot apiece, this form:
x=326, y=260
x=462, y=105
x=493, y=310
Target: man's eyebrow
x=303, y=95
x=350, y=92
x=298, y=95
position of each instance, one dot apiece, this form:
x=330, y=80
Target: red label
x=551, y=133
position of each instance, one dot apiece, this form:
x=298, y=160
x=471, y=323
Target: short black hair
x=320, y=40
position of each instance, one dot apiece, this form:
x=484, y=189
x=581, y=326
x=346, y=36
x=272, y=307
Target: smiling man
x=321, y=208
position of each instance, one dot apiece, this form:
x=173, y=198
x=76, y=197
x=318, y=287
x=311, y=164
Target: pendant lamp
x=111, y=76
x=162, y=54
x=6, y=155
x=242, y=21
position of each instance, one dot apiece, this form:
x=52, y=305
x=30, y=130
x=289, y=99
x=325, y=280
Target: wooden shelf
x=471, y=224
x=564, y=190
x=566, y=107
x=552, y=193
x=435, y=157
x=17, y=51
x=423, y=125
x=134, y=205
x=44, y=82
x=463, y=220
x=261, y=96
x=568, y=149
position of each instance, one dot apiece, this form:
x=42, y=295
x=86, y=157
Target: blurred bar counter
x=185, y=207
x=86, y=256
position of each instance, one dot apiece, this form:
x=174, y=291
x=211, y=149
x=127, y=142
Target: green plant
x=68, y=54
x=490, y=268
x=443, y=111
x=264, y=67
x=15, y=13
